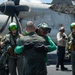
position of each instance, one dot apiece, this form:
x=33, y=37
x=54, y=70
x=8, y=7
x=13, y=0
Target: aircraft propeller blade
x=18, y=23
x=15, y=1
x=22, y=8
x=11, y=18
x=5, y=24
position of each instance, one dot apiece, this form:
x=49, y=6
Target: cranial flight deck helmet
x=61, y=29
x=45, y=27
x=13, y=26
x=72, y=25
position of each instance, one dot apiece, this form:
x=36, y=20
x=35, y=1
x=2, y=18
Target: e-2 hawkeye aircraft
x=21, y=12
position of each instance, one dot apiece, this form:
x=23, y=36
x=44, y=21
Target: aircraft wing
x=64, y=8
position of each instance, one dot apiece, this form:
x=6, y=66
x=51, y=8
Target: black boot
x=57, y=67
x=64, y=68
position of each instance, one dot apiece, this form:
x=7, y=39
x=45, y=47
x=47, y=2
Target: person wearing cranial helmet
x=42, y=30
x=61, y=43
x=62, y=29
x=9, y=41
x=72, y=27
x=72, y=46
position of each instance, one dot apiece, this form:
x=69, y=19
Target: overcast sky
x=35, y=1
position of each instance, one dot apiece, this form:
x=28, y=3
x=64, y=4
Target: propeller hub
x=8, y=8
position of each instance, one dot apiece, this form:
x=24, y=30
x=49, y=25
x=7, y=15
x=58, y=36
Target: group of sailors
x=28, y=53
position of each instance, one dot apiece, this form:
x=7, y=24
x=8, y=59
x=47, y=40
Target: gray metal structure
x=64, y=6
x=62, y=1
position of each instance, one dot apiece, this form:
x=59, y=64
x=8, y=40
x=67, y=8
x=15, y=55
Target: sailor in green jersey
x=43, y=30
